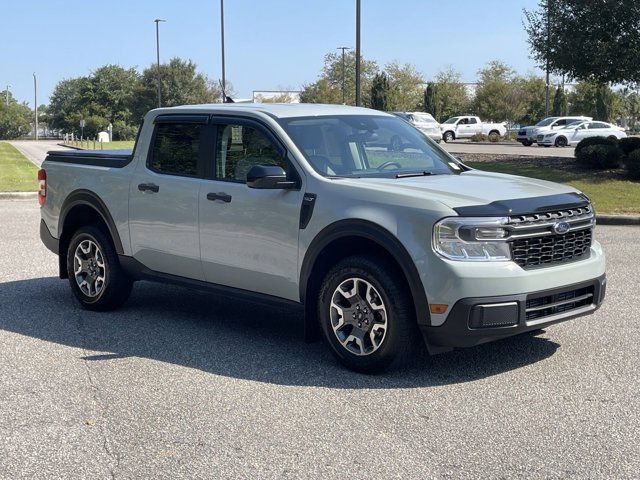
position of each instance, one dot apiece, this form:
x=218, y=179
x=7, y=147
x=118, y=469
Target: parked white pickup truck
x=468, y=126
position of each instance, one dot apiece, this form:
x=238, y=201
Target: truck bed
x=98, y=158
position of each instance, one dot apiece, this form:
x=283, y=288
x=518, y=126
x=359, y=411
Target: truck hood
x=470, y=188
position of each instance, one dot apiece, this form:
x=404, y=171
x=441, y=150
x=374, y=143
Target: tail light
x=42, y=186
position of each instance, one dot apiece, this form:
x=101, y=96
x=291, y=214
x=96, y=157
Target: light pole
x=35, y=102
x=358, y=93
x=344, y=94
x=224, y=77
x=7, y=92
x=158, y=20
x=546, y=88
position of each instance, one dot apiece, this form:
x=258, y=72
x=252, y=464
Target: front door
x=163, y=197
x=249, y=237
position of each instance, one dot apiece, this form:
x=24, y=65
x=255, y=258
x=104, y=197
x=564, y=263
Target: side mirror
x=268, y=177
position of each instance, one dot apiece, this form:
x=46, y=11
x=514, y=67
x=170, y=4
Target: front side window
x=176, y=149
x=240, y=147
x=365, y=145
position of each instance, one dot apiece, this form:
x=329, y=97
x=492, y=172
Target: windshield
x=546, y=122
x=452, y=120
x=366, y=145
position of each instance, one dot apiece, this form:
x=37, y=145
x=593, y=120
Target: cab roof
x=278, y=110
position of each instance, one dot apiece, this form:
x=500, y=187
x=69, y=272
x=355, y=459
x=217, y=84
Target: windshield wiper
x=414, y=174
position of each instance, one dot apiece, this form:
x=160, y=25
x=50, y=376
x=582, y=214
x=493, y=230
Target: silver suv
x=385, y=239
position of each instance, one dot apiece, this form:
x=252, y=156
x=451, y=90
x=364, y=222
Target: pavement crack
x=107, y=444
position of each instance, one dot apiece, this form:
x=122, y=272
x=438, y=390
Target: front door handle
x=219, y=196
x=149, y=187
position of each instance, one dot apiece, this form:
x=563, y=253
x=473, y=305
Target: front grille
x=558, y=303
x=535, y=243
x=551, y=249
x=540, y=138
x=522, y=132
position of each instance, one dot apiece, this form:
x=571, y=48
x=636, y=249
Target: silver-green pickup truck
x=384, y=238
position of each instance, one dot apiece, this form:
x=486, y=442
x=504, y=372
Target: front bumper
x=473, y=321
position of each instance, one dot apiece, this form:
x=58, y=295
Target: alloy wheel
x=358, y=316
x=89, y=268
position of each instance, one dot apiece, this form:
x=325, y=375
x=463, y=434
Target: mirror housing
x=268, y=177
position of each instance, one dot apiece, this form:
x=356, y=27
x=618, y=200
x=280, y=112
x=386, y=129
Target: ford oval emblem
x=561, y=228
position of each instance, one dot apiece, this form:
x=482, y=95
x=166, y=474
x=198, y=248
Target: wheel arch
x=83, y=207
x=347, y=237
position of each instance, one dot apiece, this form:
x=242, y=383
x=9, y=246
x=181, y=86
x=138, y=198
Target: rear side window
x=176, y=149
x=472, y=120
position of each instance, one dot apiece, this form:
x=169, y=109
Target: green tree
x=530, y=96
x=592, y=99
x=328, y=87
x=406, y=86
x=559, y=102
x=450, y=97
x=15, y=118
x=596, y=40
x=380, y=92
x=430, y=103
x=498, y=95
x=181, y=85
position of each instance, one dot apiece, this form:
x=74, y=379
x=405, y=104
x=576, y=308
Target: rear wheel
x=561, y=142
x=494, y=135
x=95, y=275
x=448, y=137
x=366, y=315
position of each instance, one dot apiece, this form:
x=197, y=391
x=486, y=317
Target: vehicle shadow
x=240, y=340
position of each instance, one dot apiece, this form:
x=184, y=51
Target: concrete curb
x=18, y=195
x=617, y=220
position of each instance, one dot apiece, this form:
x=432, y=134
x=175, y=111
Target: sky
x=270, y=44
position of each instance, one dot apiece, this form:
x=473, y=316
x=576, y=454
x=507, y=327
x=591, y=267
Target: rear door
x=249, y=237
x=163, y=197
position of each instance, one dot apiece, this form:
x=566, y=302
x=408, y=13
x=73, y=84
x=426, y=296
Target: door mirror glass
x=268, y=177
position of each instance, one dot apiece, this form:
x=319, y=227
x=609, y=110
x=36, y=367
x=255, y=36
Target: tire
x=613, y=137
x=494, y=134
x=92, y=255
x=527, y=143
x=561, y=142
x=448, y=137
x=381, y=302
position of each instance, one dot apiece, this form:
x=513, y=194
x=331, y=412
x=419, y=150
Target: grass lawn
x=609, y=192
x=116, y=145
x=17, y=174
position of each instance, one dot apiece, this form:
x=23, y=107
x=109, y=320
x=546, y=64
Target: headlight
x=549, y=135
x=481, y=239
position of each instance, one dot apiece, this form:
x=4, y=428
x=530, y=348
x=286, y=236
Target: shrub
x=599, y=156
x=632, y=162
x=478, y=137
x=629, y=144
x=587, y=142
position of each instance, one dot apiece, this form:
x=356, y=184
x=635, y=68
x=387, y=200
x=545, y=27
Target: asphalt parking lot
x=180, y=384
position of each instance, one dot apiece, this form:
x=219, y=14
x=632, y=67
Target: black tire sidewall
x=388, y=288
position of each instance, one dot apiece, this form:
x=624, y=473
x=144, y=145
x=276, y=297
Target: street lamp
x=7, y=92
x=35, y=102
x=358, y=92
x=158, y=20
x=224, y=78
x=344, y=95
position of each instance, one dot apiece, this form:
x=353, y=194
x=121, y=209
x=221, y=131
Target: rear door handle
x=149, y=187
x=219, y=196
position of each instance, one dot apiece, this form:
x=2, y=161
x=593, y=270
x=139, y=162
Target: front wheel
x=527, y=143
x=448, y=137
x=561, y=142
x=366, y=315
x=95, y=275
